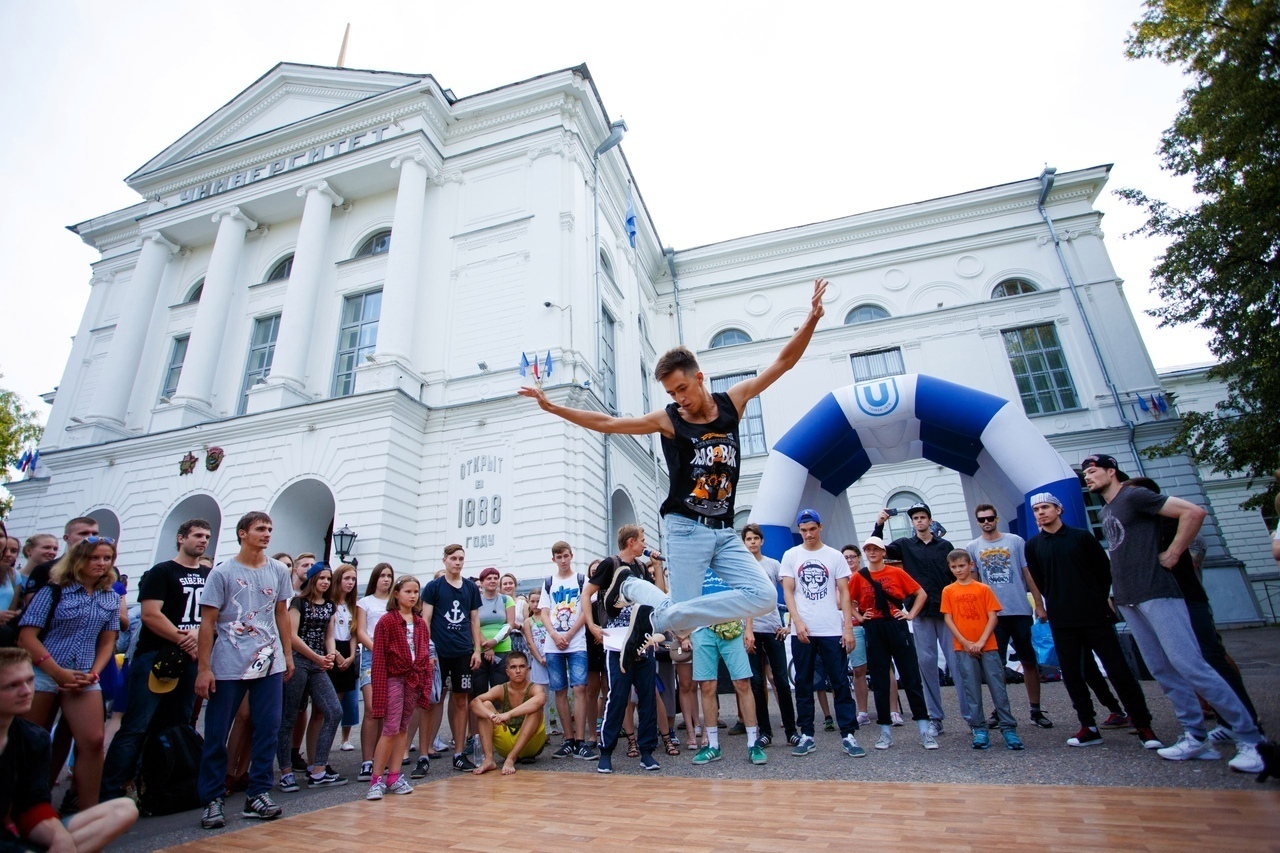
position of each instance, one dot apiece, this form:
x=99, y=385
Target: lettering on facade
x=297, y=160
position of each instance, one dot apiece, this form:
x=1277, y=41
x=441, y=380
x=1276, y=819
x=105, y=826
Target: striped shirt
x=81, y=616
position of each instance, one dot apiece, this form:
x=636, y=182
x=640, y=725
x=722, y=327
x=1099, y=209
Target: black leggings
x=889, y=642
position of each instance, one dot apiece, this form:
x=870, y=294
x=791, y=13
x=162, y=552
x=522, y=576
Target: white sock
x=922, y=725
x=753, y=734
x=886, y=730
x=713, y=737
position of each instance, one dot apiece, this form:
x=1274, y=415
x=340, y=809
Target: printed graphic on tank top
x=703, y=459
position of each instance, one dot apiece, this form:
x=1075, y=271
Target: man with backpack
x=563, y=608
x=163, y=672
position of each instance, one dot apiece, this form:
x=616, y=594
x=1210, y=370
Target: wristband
x=36, y=663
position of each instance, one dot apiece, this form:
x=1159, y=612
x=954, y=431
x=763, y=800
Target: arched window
x=282, y=270
x=865, y=314
x=729, y=337
x=194, y=294
x=606, y=266
x=900, y=525
x=1012, y=287
x=377, y=244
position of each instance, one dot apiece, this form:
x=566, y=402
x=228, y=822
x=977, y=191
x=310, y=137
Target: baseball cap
x=487, y=571
x=919, y=507
x=1046, y=498
x=315, y=569
x=166, y=671
x=808, y=515
x=1103, y=460
x=874, y=540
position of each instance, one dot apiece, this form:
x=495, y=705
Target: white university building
x=319, y=305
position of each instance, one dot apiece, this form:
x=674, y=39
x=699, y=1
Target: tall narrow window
x=357, y=338
x=262, y=348
x=877, y=365
x=177, y=356
x=608, y=359
x=751, y=426
x=1040, y=369
x=644, y=388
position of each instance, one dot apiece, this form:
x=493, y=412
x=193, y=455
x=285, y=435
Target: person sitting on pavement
x=510, y=718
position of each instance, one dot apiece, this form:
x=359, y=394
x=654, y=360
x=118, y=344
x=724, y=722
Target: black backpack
x=168, y=782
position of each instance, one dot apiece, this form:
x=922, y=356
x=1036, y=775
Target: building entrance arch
x=302, y=519
x=1001, y=457
x=108, y=522
x=192, y=506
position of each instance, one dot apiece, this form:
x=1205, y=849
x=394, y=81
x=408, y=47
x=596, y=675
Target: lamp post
x=343, y=541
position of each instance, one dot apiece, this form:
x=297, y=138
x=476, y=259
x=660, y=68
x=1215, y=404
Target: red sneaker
x=1085, y=737
x=1116, y=721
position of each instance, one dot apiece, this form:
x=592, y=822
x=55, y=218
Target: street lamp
x=343, y=541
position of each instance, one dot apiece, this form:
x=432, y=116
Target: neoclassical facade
x=320, y=304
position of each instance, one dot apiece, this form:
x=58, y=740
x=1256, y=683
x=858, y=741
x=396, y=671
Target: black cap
x=1103, y=460
x=919, y=507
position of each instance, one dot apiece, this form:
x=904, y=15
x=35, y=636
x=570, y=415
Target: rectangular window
x=644, y=388
x=357, y=338
x=262, y=348
x=751, y=427
x=1040, y=370
x=608, y=356
x=176, y=357
x=877, y=365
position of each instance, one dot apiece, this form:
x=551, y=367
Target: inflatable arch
x=1001, y=457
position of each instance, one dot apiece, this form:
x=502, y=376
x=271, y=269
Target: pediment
x=285, y=95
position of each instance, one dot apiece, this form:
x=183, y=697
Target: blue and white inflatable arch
x=1001, y=457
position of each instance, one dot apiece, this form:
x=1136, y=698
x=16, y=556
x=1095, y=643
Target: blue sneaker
x=1012, y=740
x=648, y=762
x=605, y=763
x=804, y=746
x=849, y=744
x=981, y=740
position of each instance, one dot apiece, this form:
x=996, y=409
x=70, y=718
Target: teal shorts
x=709, y=650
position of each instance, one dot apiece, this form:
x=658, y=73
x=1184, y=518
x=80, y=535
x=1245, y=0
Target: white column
x=293, y=344
x=400, y=289
x=195, y=386
x=111, y=401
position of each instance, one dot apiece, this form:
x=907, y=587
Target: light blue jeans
x=1163, y=631
x=691, y=550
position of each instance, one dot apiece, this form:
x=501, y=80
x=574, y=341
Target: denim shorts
x=576, y=665
x=46, y=684
x=366, y=668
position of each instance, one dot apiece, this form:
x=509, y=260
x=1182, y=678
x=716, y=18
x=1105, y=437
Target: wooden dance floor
x=570, y=812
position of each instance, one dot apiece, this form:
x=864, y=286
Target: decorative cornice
x=566, y=146
x=441, y=178
x=159, y=239
x=278, y=94
x=388, y=117
x=323, y=188
x=564, y=104
x=236, y=214
x=117, y=239
x=566, y=221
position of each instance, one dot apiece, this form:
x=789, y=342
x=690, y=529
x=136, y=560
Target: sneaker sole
x=373, y=799
x=336, y=783
x=630, y=649
x=707, y=761
x=614, y=592
x=859, y=754
x=256, y=816
x=1203, y=755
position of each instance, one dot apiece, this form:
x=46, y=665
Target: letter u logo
x=878, y=398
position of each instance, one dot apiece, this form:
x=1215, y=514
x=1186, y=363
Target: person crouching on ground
x=401, y=681
x=510, y=718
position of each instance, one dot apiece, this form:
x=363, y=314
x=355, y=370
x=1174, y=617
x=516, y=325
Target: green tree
x=1221, y=269
x=18, y=428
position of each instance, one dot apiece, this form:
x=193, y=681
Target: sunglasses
x=983, y=519
x=94, y=540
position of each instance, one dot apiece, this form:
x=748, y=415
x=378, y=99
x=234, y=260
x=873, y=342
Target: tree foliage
x=1221, y=269
x=18, y=428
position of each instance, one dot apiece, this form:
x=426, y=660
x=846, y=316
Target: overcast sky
x=744, y=117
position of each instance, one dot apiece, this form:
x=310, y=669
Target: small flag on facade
x=1142, y=404
x=546, y=369
x=1164, y=407
x=524, y=368
x=631, y=218
x=1155, y=407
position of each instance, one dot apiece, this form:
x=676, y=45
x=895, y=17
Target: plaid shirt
x=391, y=659
x=81, y=616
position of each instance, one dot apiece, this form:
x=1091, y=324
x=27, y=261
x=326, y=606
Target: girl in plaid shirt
x=401, y=681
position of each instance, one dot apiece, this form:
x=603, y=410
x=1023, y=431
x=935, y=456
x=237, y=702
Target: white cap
x=874, y=540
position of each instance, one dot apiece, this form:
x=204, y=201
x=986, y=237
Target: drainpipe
x=1046, y=184
x=670, y=254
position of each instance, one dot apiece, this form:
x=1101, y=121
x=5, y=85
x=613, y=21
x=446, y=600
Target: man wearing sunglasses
x=1002, y=565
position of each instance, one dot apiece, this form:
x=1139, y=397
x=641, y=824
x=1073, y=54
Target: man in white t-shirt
x=815, y=583
x=1002, y=565
x=563, y=611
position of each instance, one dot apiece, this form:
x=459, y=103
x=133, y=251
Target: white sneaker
x=1247, y=759
x=896, y=719
x=927, y=741
x=885, y=741
x=348, y=746
x=864, y=719
x=376, y=790
x=439, y=745
x=1188, y=747
x=935, y=728
x=401, y=786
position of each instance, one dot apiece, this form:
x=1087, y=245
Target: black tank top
x=703, y=462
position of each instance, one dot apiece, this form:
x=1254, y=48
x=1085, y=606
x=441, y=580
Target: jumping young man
x=700, y=442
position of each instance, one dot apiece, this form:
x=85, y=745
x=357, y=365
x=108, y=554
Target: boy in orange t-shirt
x=969, y=608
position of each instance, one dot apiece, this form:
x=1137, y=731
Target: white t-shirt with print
x=816, y=574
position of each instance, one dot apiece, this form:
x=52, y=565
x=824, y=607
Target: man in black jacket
x=1074, y=574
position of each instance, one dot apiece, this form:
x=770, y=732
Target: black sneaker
x=329, y=778
x=613, y=599
x=764, y=741
x=587, y=751
x=1041, y=720
x=793, y=738
x=213, y=817
x=639, y=635
x=297, y=762
x=567, y=749
x=261, y=807
x=420, y=770
x=366, y=771
x=462, y=763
